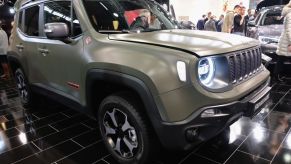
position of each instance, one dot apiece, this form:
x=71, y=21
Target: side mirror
x=252, y=24
x=58, y=31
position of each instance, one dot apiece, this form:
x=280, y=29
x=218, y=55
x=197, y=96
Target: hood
x=202, y=43
x=271, y=30
x=285, y=11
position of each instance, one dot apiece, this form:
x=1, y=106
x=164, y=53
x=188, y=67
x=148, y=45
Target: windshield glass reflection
x=124, y=16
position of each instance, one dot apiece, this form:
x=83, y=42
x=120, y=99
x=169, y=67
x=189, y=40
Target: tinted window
x=272, y=19
x=61, y=11
x=258, y=18
x=20, y=20
x=127, y=15
x=76, y=29
x=31, y=21
x=103, y=14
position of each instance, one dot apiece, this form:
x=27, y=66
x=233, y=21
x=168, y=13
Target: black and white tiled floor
x=55, y=134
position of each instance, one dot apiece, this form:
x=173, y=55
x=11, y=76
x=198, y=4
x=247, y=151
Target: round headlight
x=206, y=70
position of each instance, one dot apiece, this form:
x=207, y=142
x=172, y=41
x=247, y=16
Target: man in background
x=4, y=71
x=247, y=19
x=209, y=14
x=219, y=23
x=239, y=22
x=200, y=23
x=228, y=19
x=210, y=24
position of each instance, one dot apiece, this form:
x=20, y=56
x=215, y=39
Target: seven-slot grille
x=244, y=64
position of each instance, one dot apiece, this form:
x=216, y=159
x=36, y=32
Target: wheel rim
x=119, y=133
x=22, y=87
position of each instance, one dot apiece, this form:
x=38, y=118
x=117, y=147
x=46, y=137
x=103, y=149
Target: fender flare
x=154, y=114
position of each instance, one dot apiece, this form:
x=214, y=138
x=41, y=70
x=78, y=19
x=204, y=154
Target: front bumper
x=192, y=131
x=269, y=48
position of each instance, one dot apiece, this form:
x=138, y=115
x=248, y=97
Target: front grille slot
x=231, y=64
x=238, y=67
x=244, y=64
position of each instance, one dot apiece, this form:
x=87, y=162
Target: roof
x=20, y=3
x=276, y=7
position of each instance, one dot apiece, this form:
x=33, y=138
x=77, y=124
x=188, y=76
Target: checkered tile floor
x=52, y=133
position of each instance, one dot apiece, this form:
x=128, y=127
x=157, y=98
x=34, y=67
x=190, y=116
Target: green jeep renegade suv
x=126, y=63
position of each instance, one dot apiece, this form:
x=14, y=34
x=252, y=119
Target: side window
x=31, y=21
x=20, y=20
x=258, y=18
x=104, y=17
x=61, y=11
x=76, y=29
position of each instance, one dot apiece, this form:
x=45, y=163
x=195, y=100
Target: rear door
x=29, y=37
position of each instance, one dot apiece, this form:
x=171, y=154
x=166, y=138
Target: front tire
x=25, y=93
x=124, y=130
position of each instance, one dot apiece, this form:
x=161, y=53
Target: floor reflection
x=51, y=133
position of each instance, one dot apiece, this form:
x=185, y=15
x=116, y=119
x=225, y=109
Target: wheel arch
x=100, y=80
x=14, y=63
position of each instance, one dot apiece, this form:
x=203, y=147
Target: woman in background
x=284, y=46
x=4, y=71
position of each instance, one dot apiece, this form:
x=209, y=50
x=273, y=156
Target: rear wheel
x=124, y=130
x=25, y=93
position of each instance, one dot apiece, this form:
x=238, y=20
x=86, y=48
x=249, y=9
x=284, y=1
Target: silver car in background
x=267, y=28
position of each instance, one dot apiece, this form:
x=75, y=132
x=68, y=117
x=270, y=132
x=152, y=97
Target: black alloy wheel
x=23, y=88
x=124, y=130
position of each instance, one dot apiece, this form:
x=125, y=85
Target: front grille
x=244, y=64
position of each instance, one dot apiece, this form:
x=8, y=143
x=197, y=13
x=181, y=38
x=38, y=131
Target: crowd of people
x=234, y=21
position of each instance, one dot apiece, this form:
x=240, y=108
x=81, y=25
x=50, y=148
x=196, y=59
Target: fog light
x=213, y=113
x=192, y=134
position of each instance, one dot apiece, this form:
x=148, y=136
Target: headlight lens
x=267, y=40
x=213, y=73
x=206, y=70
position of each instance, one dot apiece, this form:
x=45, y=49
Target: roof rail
x=19, y=3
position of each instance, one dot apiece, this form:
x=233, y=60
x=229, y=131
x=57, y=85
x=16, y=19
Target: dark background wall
x=5, y=16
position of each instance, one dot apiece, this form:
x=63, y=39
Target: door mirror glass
x=56, y=30
x=252, y=24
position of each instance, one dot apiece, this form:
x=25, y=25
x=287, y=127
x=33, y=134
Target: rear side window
x=258, y=18
x=31, y=21
x=273, y=19
x=20, y=20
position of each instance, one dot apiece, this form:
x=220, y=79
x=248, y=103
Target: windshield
x=113, y=16
x=272, y=19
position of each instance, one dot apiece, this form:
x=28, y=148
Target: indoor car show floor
x=53, y=133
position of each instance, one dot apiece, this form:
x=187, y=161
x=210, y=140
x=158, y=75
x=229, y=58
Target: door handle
x=20, y=47
x=43, y=51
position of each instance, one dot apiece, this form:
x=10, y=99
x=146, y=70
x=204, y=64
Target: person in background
x=155, y=23
x=239, y=22
x=228, y=19
x=200, y=23
x=209, y=14
x=219, y=23
x=247, y=19
x=4, y=72
x=284, y=45
x=210, y=24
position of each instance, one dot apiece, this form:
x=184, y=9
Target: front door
x=63, y=59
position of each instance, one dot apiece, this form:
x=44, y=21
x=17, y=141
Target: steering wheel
x=140, y=23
